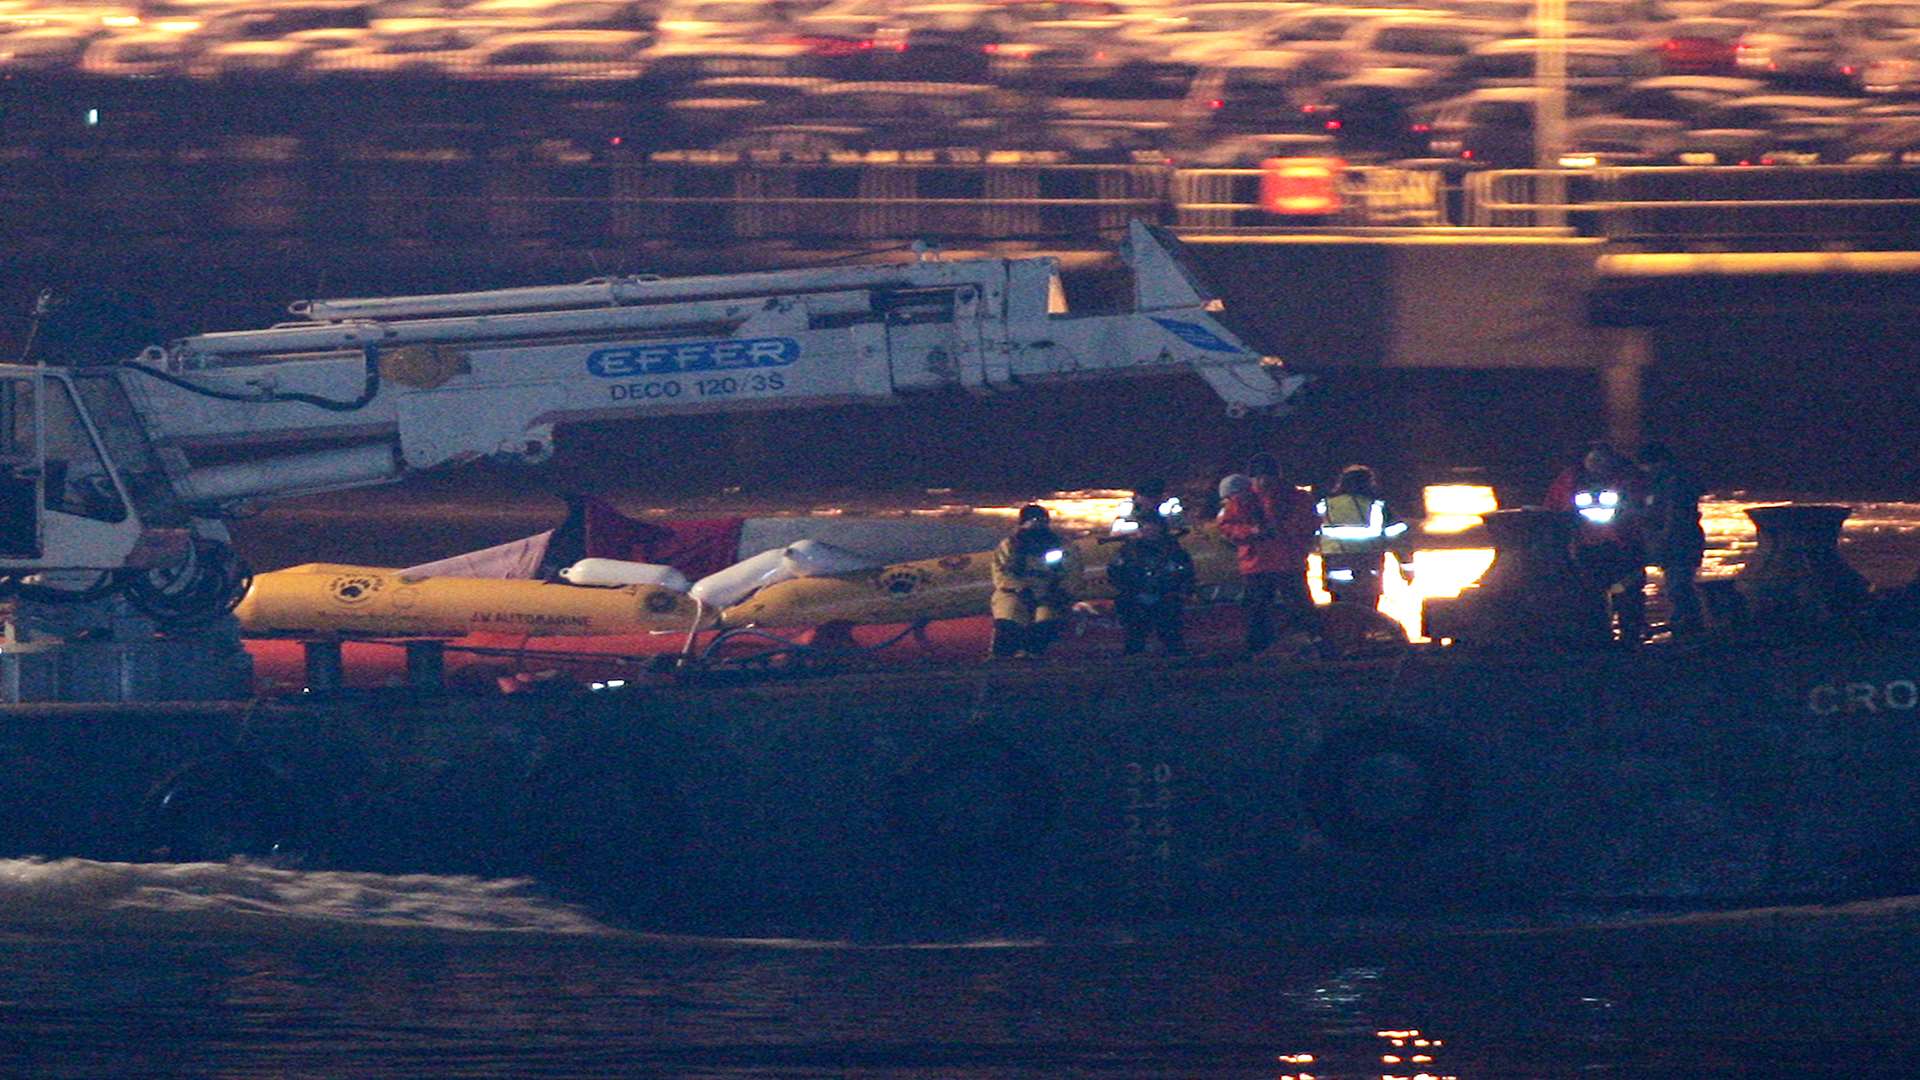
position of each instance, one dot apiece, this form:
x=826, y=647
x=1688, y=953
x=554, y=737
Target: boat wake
x=35, y=890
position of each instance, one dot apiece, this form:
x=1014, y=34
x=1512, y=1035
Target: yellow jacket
x=1361, y=525
x=1031, y=588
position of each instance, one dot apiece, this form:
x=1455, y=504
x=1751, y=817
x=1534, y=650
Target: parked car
x=137, y=55
x=1685, y=98
x=1200, y=32
x=1700, y=46
x=244, y=59
x=412, y=46
x=1620, y=19
x=1435, y=43
x=1248, y=151
x=1260, y=91
x=1827, y=47
x=564, y=14
x=604, y=54
x=1766, y=111
x=1082, y=142
x=1891, y=141
x=1375, y=114
x=1131, y=89
x=1491, y=128
x=670, y=65
x=902, y=115
x=1893, y=73
x=947, y=42
x=710, y=109
x=46, y=48
x=1614, y=140
x=1596, y=67
x=701, y=22
x=265, y=23
x=1720, y=146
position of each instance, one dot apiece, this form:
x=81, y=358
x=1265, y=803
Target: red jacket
x=1275, y=527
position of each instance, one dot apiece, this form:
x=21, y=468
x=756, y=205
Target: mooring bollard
x=1797, y=577
x=1531, y=595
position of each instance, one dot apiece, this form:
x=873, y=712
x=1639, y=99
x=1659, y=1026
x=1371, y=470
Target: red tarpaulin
x=695, y=548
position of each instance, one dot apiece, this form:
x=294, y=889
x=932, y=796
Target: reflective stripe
x=1598, y=515
x=1396, y=528
x=1341, y=574
x=1372, y=530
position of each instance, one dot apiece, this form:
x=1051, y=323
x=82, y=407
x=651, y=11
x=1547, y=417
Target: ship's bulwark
x=1183, y=795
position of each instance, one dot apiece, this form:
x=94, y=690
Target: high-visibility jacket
x=1360, y=525
x=1034, y=577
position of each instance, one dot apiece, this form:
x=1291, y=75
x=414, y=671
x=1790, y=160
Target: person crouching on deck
x=1034, y=574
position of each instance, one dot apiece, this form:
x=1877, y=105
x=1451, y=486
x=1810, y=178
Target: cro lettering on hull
x=1852, y=698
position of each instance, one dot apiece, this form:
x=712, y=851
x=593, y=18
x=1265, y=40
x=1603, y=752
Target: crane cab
x=80, y=489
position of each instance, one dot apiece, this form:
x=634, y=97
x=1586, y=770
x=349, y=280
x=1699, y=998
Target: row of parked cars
x=1451, y=82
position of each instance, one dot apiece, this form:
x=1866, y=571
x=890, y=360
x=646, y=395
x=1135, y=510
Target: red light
x=1294, y=186
x=990, y=49
x=1215, y=103
x=1746, y=163
x=615, y=141
x=1333, y=125
x=1846, y=69
x=1468, y=154
x=1423, y=127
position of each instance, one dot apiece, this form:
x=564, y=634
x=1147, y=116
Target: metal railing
x=455, y=199
x=1368, y=195
x=699, y=198
x=1695, y=205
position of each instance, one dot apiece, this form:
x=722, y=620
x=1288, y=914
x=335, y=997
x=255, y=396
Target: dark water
x=242, y=971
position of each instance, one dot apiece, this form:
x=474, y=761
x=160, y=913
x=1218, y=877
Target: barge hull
x=1108, y=794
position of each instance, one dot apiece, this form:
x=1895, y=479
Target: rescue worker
x=1608, y=494
x=1357, y=531
x=1151, y=577
x=1151, y=498
x=1675, y=541
x=1034, y=573
x=1273, y=526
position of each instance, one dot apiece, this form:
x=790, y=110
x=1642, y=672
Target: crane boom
x=383, y=386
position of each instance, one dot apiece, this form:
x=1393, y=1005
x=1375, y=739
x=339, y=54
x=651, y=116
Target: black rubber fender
x=222, y=807
x=973, y=798
x=1386, y=786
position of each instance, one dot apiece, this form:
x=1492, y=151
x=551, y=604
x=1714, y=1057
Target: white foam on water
x=36, y=888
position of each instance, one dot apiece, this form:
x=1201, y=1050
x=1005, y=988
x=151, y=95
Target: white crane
x=101, y=491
